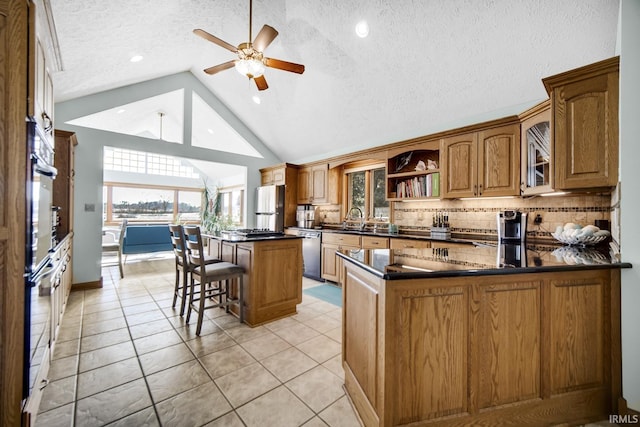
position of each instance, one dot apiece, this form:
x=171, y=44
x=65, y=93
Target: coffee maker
x=305, y=216
x=512, y=226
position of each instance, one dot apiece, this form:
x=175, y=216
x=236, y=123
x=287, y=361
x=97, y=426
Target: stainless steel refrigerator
x=270, y=208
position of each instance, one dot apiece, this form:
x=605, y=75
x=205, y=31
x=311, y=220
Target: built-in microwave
x=39, y=199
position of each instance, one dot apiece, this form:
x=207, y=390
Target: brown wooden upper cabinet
x=275, y=175
x=318, y=185
x=484, y=163
x=43, y=88
x=584, y=107
x=536, y=150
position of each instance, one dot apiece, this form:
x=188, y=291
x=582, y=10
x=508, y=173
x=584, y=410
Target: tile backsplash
x=478, y=216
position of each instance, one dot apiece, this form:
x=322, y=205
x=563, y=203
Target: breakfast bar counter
x=273, y=273
x=482, y=335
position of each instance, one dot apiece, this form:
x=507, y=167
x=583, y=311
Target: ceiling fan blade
x=220, y=67
x=264, y=38
x=284, y=65
x=261, y=82
x=214, y=39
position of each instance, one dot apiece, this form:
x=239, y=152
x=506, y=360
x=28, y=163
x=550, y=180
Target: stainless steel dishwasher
x=311, y=251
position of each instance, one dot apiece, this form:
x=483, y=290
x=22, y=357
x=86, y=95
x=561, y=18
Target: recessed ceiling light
x=122, y=110
x=362, y=29
x=210, y=131
x=136, y=58
x=256, y=99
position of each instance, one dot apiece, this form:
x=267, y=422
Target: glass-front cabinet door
x=536, y=167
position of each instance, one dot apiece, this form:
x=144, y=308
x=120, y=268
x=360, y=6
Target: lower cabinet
x=331, y=243
x=535, y=349
x=272, y=279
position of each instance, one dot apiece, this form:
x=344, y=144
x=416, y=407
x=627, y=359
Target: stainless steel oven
x=40, y=242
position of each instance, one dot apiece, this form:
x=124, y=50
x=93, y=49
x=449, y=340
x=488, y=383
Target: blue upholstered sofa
x=146, y=238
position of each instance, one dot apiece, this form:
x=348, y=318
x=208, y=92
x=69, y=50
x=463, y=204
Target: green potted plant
x=213, y=221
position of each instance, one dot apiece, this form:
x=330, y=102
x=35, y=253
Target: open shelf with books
x=413, y=174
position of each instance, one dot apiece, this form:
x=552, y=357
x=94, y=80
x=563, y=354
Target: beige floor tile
x=265, y=346
x=66, y=349
x=245, y=333
x=59, y=417
x=165, y=358
x=288, y=364
x=101, y=327
x=105, y=339
x=322, y=306
x=323, y=323
x=286, y=322
x=318, y=388
x=142, y=298
x=105, y=356
x=64, y=367
x=335, y=314
x=146, y=329
x=206, y=344
x=335, y=365
x=175, y=380
x=340, y=414
x=225, y=321
x=226, y=360
x=320, y=348
x=297, y=334
x=69, y=331
x=101, y=316
x=188, y=332
x=336, y=333
x=145, y=418
x=194, y=407
x=140, y=308
x=101, y=306
x=106, y=377
x=58, y=393
x=315, y=422
x=147, y=316
x=306, y=312
x=157, y=341
x=112, y=404
x=228, y=420
x=246, y=384
x=278, y=407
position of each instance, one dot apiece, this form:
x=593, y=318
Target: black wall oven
x=40, y=241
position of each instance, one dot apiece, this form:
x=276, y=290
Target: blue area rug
x=329, y=293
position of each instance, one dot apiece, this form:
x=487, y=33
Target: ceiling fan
x=251, y=62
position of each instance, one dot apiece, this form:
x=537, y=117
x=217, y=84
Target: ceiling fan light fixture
x=250, y=67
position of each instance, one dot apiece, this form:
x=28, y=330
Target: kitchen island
x=457, y=336
x=273, y=273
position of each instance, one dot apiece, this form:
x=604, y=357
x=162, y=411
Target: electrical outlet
x=537, y=220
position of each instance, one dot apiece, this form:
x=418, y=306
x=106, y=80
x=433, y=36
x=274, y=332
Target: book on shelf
x=420, y=186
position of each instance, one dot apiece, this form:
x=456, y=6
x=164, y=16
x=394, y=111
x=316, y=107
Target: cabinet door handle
x=480, y=189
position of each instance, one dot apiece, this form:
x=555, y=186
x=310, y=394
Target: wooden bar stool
x=182, y=265
x=213, y=280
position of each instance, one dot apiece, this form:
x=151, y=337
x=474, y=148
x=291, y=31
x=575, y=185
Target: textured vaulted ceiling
x=425, y=66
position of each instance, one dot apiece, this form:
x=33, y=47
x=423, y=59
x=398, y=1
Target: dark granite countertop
x=402, y=235
x=230, y=237
x=479, y=259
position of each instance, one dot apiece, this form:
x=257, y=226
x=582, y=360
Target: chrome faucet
x=350, y=216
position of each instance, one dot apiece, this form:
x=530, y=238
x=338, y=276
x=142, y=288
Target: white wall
x=89, y=152
x=630, y=196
